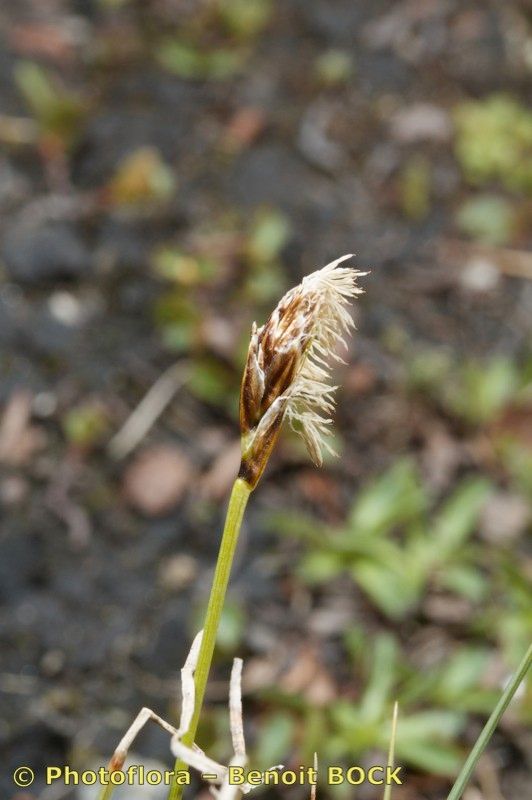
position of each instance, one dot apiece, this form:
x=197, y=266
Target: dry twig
x=148, y=411
x=210, y=770
x=235, y=709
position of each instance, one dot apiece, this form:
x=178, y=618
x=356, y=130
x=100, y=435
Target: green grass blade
x=490, y=726
x=391, y=752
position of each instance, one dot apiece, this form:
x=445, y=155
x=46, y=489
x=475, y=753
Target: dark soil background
x=154, y=200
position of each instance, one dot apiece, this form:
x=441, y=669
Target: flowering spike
x=287, y=372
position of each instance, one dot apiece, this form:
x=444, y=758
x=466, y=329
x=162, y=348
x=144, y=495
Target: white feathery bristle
x=310, y=397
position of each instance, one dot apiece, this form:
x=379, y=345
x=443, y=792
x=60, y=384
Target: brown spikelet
x=286, y=372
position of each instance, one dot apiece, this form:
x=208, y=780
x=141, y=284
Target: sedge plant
x=287, y=376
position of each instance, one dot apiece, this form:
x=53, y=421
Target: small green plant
x=472, y=390
x=141, y=179
x=425, y=737
x=480, y=390
x=433, y=709
x=399, y=546
x=494, y=142
x=394, y=550
x=57, y=110
x=214, y=43
x=334, y=67
x=195, y=62
x=244, y=19
x=488, y=218
x=86, y=425
x=415, y=187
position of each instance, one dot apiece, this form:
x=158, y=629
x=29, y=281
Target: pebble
x=177, y=572
x=505, y=518
x=34, y=254
x=156, y=479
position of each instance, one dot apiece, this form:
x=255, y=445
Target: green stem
x=391, y=751
x=490, y=726
x=106, y=792
x=233, y=521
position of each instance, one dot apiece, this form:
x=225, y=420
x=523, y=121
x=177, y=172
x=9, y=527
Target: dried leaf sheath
x=287, y=372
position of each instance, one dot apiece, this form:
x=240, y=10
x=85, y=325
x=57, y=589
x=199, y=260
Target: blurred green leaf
x=57, y=110
x=388, y=587
x=439, y=725
x=357, y=732
x=37, y=88
x=274, y=739
x=231, y=628
x=179, y=319
x=488, y=218
x=465, y=580
x=212, y=382
x=463, y=671
x=394, y=498
x=479, y=391
x=268, y=235
x=382, y=676
x=188, y=61
x=494, y=141
x=355, y=642
x=288, y=523
x=142, y=177
x=432, y=757
x=517, y=459
x=188, y=270
x=334, y=67
x=87, y=424
x=414, y=187
x=265, y=282
x=179, y=336
x=457, y=519
x=428, y=370
x=320, y=566
x=244, y=18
